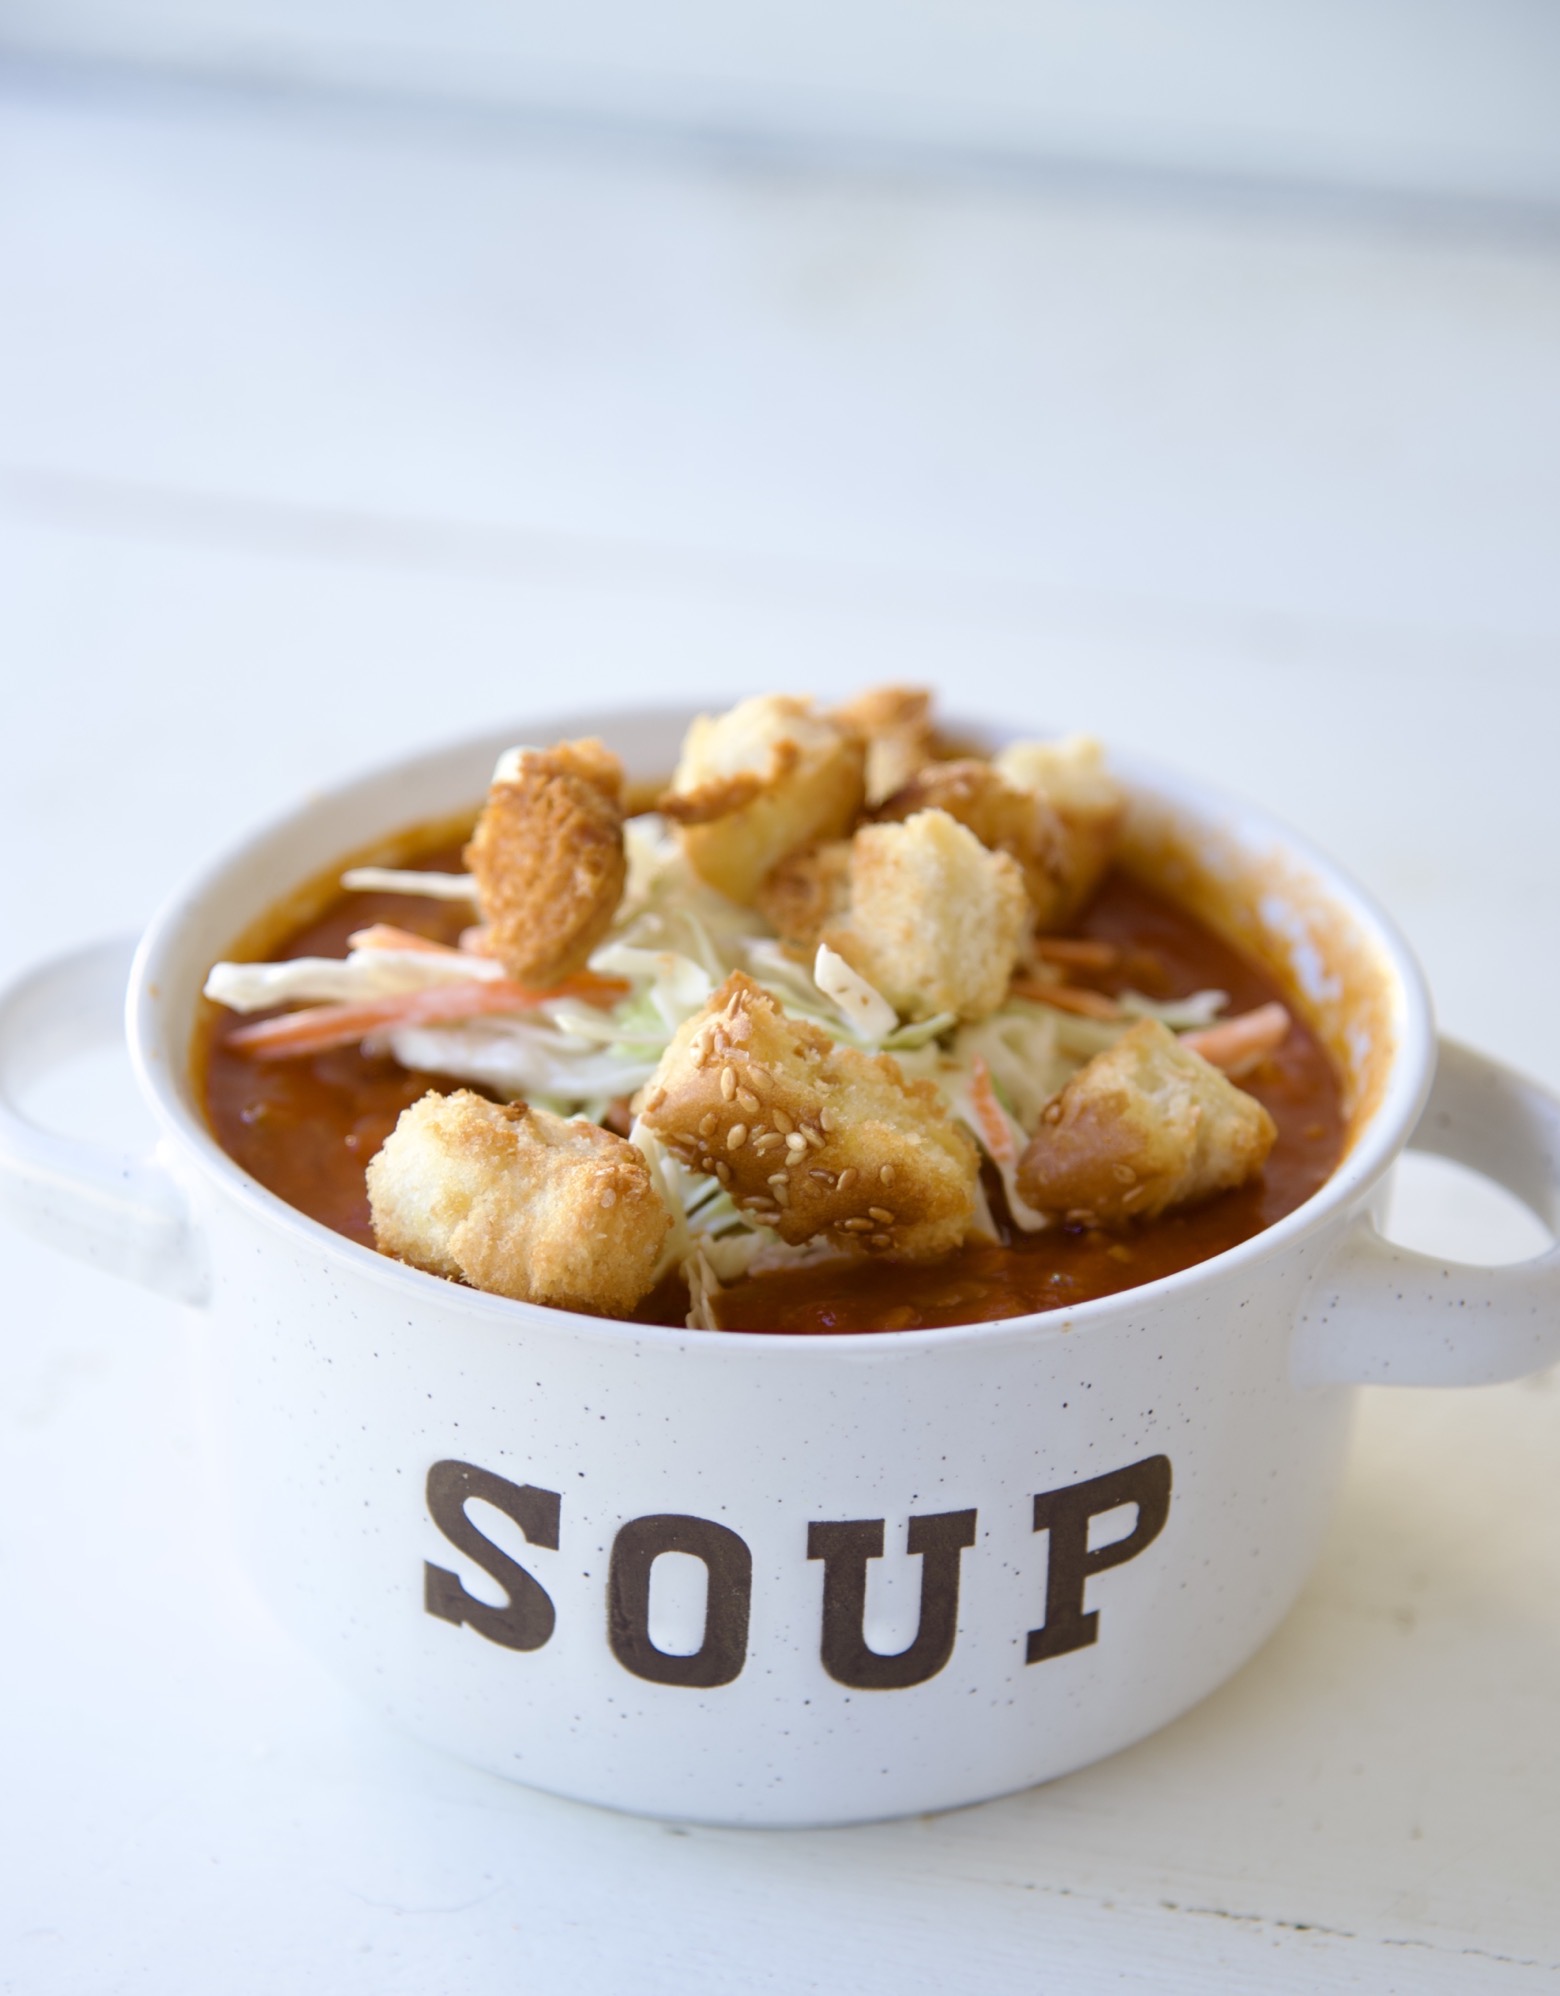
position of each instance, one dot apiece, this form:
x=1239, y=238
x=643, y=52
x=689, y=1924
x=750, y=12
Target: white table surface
x=325, y=434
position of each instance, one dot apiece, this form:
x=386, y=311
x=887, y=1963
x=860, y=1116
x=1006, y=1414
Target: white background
x=331, y=426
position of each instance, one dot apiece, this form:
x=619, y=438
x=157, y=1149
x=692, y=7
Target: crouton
x=1007, y=817
x=1145, y=1126
x=937, y=921
x=518, y=1202
x=896, y=725
x=547, y=856
x=759, y=783
x=810, y=1138
x=807, y=892
x=1072, y=777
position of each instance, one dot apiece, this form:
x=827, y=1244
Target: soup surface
x=307, y=1128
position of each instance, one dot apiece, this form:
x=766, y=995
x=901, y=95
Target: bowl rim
x=1386, y=1129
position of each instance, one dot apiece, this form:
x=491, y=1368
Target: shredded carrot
x=1068, y=998
x=318, y=1028
x=385, y=935
x=994, y=1126
x=1239, y=1044
x=590, y=987
x=1077, y=952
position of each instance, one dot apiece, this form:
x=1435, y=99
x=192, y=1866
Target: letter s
x=527, y=1618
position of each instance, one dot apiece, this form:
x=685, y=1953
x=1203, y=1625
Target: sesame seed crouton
x=547, y=855
x=1072, y=776
x=757, y=784
x=1007, y=817
x=811, y=1138
x=1145, y=1126
x=807, y=892
x=518, y=1202
x=937, y=921
x=895, y=722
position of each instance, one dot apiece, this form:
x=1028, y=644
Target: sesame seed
x=881, y=1240
x=847, y=1179
x=886, y=1174
x=1125, y=1174
x=728, y=1082
x=736, y=1136
x=706, y=1124
x=723, y=1172
x=777, y=1178
x=814, y=1137
x=783, y=1195
x=827, y=1119
x=856, y=1226
x=767, y=1141
x=882, y=1215
x=746, y=1099
x=782, y=1122
x=796, y=1144
x=826, y=1176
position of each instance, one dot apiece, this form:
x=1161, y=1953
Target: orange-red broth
x=307, y=1129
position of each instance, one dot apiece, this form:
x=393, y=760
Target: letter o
x=729, y=1564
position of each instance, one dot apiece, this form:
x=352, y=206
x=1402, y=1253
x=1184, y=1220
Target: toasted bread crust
x=937, y=920
x=757, y=784
x=895, y=723
x=812, y=1138
x=1072, y=777
x=548, y=859
x=1144, y=1127
x=807, y=892
x=1002, y=815
x=518, y=1202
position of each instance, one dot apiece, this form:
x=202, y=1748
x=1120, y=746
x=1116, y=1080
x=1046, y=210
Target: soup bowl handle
x=1383, y=1315
x=114, y=1210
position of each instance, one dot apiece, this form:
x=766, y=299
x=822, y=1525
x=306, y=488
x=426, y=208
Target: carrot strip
x=1077, y=952
x=591, y=988
x=385, y=935
x=1239, y=1044
x=318, y=1028
x=994, y=1126
x=1068, y=998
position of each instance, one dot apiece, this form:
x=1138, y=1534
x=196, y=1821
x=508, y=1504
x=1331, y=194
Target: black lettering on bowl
x=845, y=1546
x=1065, y=1514
x=729, y=1564
x=526, y=1620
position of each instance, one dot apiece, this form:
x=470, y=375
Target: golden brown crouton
x=1072, y=777
x=1007, y=817
x=759, y=783
x=1144, y=1126
x=518, y=1202
x=807, y=892
x=937, y=921
x=547, y=856
x=895, y=722
x=809, y=1137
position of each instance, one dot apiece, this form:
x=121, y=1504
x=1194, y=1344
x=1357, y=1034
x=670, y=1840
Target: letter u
x=845, y=1547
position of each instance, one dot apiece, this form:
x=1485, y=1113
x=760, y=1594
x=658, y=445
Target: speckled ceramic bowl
x=766, y=1580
